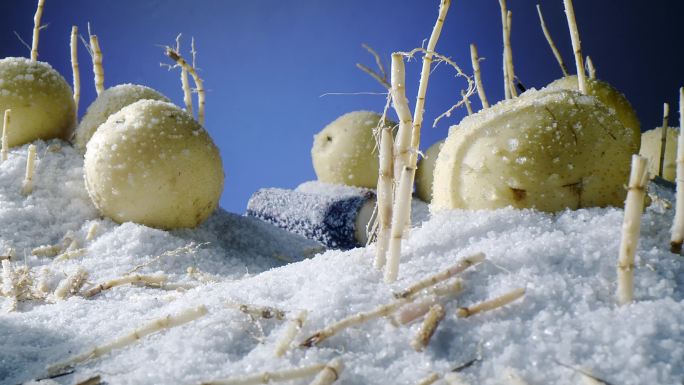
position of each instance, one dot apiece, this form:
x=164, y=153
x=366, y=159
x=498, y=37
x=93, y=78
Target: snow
x=566, y=261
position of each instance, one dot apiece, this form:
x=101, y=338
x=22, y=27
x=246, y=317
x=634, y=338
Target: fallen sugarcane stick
x=330, y=373
x=293, y=327
x=417, y=309
x=442, y=276
x=491, y=304
x=427, y=329
x=150, y=280
x=160, y=324
x=266, y=377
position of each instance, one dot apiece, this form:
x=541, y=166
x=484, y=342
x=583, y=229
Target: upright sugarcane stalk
x=509, y=55
x=678, y=227
x=631, y=226
x=402, y=200
x=401, y=106
x=385, y=197
x=5, y=128
x=549, y=39
x=27, y=185
x=98, y=70
x=663, y=139
x=475, y=59
x=199, y=84
x=504, y=22
x=36, y=30
x=591, y=69
x=576, y=45
x=74, y=66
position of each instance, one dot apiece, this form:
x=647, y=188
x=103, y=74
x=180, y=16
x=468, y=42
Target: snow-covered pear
x=40, y=99
x=108, y=102
x=651, y=142
x=612, y=98
x=549, y=150
x=153, y=164
x=426, y=171
x=344, y=152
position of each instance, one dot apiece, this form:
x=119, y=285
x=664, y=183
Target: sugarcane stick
x=631, y=226
x=9, y=285
x=293, y=327
x=549, y=39
x=27, y=185
x=92, y=231
x=167, y=322
x=591, y=70
x=509, y=55
x=491, y=304
x=70, y=254
x=154, y=280
x=267, y=377
x=98, y=69
x=475, y=59
x=427, y=329
x=5, y=128
x=678, y=226
x=414, y=310
x=576, y=45
x=36, y=30
x=429, y=379
x=443, y=275
x=330, y=373
x=401, y=106
x=663, y=139
x=72, y=284
x=384, y=197
x=506, y=75
x=199, y=84
x=400, y=212
x=76, y=73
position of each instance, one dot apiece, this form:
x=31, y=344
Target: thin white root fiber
x=677, y=236
x=167, y=322
x=491, y=304
x=631, y=226
x=27, y=185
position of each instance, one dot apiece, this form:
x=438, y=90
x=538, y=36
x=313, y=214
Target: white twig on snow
x=149, y=280
x=491, y=304
x=72, y=284
x=289, y=333
x=443, y=275
x=434, y=316
x=330, y=373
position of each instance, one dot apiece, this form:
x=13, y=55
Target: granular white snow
x=566, y=261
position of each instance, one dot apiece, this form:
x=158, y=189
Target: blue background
x=266, y=62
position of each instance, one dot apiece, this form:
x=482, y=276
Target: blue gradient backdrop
x=266, y=62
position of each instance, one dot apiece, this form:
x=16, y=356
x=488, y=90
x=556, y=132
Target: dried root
x=168, y=322
x=491, y=304
x=381, y=76
x=554, y=49
x=174, y=55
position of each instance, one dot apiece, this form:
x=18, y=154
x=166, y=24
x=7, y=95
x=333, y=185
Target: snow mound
x=568, y=320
